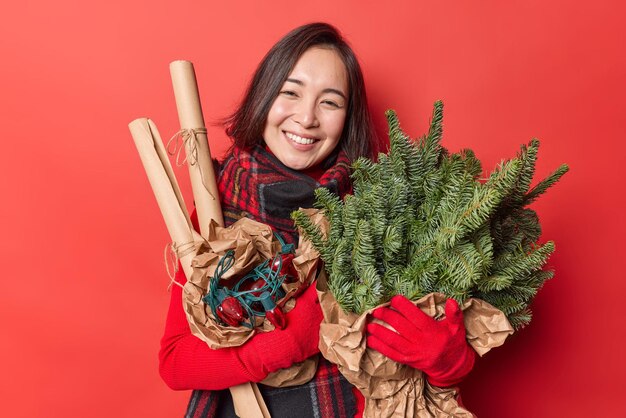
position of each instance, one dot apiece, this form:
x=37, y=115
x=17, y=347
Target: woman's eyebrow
x=296, y=81
x=328, y=90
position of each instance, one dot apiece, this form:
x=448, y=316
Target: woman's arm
x=186, y=362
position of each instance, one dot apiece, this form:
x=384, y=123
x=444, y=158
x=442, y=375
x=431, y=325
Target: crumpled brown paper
x=253, y=242
x=392, y=389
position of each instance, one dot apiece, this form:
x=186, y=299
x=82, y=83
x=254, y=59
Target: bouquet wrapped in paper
x=424, y=224
x=237, y=272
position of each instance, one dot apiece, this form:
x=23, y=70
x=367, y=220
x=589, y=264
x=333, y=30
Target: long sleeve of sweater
x=186, y=362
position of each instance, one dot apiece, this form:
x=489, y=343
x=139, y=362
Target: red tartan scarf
x=255, y=184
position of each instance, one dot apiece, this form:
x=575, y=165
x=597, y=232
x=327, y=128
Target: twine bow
x=187, y=138
x=189, y=141
x=173, y=253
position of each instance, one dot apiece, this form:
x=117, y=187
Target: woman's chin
x=296, y=164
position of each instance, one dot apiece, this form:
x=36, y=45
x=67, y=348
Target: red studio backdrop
x=84, y=293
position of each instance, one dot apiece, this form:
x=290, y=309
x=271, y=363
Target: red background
x=83, y=295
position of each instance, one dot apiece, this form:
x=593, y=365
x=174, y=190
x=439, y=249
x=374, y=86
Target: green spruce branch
x=423, y=220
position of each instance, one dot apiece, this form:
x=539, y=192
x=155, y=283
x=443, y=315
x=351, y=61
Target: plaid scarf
x=255, y=184
x=327, y=395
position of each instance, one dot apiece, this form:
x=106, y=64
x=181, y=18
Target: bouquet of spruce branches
x=424, y=223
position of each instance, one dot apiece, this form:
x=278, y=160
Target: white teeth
x=299, y=139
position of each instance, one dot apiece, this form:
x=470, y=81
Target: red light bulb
x=231, y=312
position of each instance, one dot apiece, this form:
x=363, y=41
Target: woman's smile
x=302, y=140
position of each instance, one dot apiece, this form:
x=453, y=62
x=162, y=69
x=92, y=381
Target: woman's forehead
x=320, y=68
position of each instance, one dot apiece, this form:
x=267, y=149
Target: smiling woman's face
x=305, y=122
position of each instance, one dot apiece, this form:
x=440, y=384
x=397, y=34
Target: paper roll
x=169, y=198
x=201, y=172
x=247, y=398
x=248, y=401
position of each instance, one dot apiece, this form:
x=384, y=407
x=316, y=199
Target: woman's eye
x=331, y=103
x=289, y=93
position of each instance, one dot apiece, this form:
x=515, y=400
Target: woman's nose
x=306, y=115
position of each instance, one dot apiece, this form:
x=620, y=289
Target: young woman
x=303, y=120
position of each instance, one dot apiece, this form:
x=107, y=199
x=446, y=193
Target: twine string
x=172, y=254
x=187, y=139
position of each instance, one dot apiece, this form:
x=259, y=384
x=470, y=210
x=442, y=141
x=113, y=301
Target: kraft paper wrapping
x=193, y=131
x=253, y=242
x=163, y=182
x=392, y=389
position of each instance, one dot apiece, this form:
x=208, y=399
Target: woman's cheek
x=335, y=124
x=279, y=111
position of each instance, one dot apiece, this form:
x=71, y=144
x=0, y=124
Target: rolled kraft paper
x=248, y=401
x=246, y=397
x=206, y=196
x=161, y=176
x=201, y=172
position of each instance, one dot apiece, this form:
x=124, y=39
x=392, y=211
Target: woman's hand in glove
x=438, y=348
x=299, y=340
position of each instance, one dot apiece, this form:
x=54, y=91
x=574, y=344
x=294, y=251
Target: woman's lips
x=299, y=139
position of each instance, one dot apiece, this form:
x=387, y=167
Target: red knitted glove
x=438, y=348
x=299, y=340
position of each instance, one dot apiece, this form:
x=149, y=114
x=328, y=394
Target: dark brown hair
x=246, y=124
